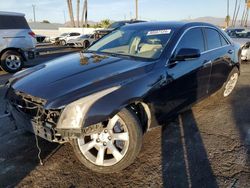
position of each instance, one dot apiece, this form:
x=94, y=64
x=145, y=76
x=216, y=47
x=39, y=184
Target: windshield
x=116, y=25
x=143, y=43
x=84, y=36
x=64, y=34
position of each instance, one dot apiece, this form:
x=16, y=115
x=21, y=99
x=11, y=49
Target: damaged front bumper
x=28, y=113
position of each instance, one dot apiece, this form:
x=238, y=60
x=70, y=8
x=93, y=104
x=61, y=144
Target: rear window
x=213, y=39
x=13, y=22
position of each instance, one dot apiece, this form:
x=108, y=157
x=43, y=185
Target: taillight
x=32, y=34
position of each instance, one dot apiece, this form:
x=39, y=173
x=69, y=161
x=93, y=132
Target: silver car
x=17, y=41
x=83, y=41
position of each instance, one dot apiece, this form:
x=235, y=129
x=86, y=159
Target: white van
x=17, y=41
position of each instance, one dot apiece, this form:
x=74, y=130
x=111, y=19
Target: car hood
x=78, y=75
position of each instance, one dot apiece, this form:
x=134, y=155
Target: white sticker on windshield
x=159, y=32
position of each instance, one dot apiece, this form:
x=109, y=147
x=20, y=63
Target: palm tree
x=84, y=20
x=77, y=12
x=227, y=20
x=105, y=23
x=235, y=9
x=71, y=15
x=236, y=15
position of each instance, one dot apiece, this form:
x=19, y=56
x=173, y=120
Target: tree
x=45, y=21
x=78, y=12
x=105, y=23
x=71, y=15
x=227, y=20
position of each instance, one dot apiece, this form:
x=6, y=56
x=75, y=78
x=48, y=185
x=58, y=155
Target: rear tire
x=11, y=61
x=230, y=84
x=113, y=157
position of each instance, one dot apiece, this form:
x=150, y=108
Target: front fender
x=109, y=105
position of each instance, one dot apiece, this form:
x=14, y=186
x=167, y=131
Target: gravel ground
x=207, y=146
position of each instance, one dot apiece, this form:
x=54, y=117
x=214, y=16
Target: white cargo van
x=17, y=41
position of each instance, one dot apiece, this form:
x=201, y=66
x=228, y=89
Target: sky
x=54, y=10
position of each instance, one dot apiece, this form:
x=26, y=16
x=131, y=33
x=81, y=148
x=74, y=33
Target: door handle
x=230, y=51
x=207, y=63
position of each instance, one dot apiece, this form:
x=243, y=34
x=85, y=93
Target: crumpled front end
x=54, y=125
x=28, y=113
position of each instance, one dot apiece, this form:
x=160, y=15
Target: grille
x=31, y=106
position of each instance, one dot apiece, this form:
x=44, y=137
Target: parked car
x=56, y=40
x=63, y=40
x=234, y=32
x=243, y=39
x=82, y=41
x=102, y=32
x=103, y=100
x=17, y=41
x=40, y=38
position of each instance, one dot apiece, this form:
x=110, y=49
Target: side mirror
x=186, y=54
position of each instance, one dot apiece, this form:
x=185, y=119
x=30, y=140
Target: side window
x=213, y=39
x=223, y=41
x=13, y=22
x=192, y=39
x=74, y=34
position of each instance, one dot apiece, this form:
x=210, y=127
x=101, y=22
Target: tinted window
x=223, y=41
x=192, y=39
x=74, y=34
x=213, y=39
x=13, y=22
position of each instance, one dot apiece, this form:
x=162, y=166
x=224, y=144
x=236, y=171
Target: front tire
x=63, y=42
x=11, y=61
x=113, y=149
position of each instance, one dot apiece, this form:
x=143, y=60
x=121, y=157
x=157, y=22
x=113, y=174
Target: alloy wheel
x=107, y=147
x=231, y=84
x=13, y=62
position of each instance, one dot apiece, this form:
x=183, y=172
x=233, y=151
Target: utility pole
x=34, y=13
x=64, y=16
x=136, y=9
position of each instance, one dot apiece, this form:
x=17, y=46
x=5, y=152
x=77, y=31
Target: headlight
x=73, y=115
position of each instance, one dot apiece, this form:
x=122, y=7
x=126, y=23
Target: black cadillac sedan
x=137, y=77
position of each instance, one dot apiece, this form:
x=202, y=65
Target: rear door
x=73, y=36
x=220, y=53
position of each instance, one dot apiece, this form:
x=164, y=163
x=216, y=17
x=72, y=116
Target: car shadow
x=184, y=158
x=20, y=156
x=240, y=111
x=18, y=151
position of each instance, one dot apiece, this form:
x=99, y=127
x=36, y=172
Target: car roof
x=3, y=13
x=168, y=24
